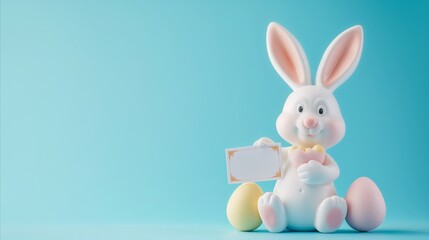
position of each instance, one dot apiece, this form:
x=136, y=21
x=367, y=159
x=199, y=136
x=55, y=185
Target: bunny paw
x=272, y=212
x=330, y=214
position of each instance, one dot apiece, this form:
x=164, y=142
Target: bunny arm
x=314, y=173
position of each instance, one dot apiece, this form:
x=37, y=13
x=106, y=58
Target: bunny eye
x=321, y=110
x=300, y=108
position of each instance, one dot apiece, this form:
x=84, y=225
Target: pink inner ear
x=286, y=55
x=342, y=57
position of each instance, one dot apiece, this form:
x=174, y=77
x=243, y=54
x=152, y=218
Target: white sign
x=252, y=164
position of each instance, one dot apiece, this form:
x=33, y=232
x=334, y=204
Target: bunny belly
x=301, y=200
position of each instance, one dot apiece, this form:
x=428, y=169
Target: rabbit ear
x=340, y=58
x=287, y=56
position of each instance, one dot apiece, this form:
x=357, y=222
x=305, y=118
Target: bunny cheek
x=286, y=127
x=333, y=132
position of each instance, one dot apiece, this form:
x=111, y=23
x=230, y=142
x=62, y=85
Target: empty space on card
x=250, y=164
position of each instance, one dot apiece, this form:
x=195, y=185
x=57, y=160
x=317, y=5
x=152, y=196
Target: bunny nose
x=309, y=123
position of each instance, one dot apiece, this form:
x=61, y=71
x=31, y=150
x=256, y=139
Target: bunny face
x=311, y=114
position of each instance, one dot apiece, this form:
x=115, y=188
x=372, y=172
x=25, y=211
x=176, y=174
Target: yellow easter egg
x=242, y=208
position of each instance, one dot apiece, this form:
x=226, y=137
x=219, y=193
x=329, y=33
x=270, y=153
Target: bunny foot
x=330, y=214
x=272, y=212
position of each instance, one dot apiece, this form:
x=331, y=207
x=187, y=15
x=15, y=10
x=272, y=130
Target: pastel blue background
x=118, y=112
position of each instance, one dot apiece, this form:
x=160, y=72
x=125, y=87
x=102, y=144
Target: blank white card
x=253, y=164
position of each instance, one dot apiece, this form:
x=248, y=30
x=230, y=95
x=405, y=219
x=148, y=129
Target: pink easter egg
x=366, y=206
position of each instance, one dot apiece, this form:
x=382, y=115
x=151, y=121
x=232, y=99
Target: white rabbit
x=306, y=198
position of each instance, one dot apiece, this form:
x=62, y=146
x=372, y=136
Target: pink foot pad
x=330, y=214
x=334, y=218
x=268, y=216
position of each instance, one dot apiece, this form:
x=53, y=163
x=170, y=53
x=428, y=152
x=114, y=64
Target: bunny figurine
x=305, y=199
